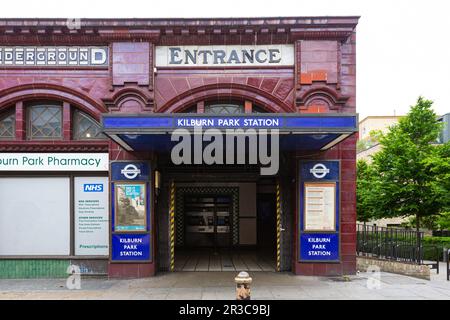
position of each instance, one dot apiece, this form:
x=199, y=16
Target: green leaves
x=364, y=202
x=410, y=175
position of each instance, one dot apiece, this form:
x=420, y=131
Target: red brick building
x=75, y=92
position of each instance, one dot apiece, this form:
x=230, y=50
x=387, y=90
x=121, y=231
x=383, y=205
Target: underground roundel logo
x=319, y=170
x=130, y=171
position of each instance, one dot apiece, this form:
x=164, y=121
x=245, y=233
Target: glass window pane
x=7, y=126
x=191, y=109
x=45, y=122
x=85, y=128
x=224, y=108
x=258, y=109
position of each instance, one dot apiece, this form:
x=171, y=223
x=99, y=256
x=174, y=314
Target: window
x=7, y=125
x=191, y=109
x=258, y=109
x=35, y=216
x=44, y=121
x=85, y=128
x=224, y=108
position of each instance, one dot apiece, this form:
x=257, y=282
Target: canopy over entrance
x=297, y=131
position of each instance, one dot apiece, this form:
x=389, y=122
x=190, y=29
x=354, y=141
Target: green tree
x=368, y=142
x=406, y=167
x=443, y=222
x=439, y=165
x=365, y=180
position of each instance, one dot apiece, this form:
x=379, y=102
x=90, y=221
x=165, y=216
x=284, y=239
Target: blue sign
x=133, y=171
x=229, y=122
x=130, y=247
x=298, y=122
x=319, y=171
x=93, y=187
x=319, y=247
x=321, y=122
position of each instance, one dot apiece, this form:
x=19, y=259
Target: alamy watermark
x=373, y=277
x=73, y=282
x=73, y=23
x=229, y=146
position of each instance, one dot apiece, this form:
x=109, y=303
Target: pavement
x=220, y=285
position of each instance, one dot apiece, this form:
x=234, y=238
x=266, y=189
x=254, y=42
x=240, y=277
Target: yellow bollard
x=243, y=282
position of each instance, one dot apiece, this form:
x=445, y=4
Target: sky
x=403, y=46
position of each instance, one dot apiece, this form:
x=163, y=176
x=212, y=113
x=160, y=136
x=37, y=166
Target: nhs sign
x=93, y=187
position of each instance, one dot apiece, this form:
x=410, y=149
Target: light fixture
x=157, y=182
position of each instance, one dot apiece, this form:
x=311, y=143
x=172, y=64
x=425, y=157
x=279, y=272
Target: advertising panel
x=91, y=216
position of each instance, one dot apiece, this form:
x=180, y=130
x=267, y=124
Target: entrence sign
x=131, y=230
x=54, y=161
x=53, y=56
x=131, y=247
x=319, y=211
x=319, y=247
x=220, y=56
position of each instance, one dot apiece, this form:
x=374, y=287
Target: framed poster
x=131, y=205
x=320, y=206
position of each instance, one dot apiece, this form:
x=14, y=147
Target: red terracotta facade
x=323, y=80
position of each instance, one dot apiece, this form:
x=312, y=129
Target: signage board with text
x=131, y=229
x=318, y=228
x=225, y=56
x=131, y=247
x=91, y=215
x=319, y=247
x=54, y=161
x=50, y=56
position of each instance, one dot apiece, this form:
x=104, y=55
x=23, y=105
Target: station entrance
x=226, y=222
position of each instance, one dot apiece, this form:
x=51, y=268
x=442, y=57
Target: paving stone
x=220, y=285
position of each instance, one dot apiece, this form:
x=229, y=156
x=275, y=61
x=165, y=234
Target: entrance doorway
x=266, y=227
x=207, y=221
x=225, y=228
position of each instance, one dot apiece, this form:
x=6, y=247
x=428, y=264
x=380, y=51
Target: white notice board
x=91, y=216
x=320, y=207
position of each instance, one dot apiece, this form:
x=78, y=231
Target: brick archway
x=228, y=90
x=53, y=92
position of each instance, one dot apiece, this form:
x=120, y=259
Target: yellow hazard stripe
x=278, y=227
x=172, y=226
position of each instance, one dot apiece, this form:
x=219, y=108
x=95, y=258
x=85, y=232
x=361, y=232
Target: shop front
x=194, y=145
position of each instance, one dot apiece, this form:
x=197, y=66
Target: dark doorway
x=266, y=224
x=208, y=220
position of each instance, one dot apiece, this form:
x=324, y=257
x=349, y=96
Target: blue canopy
x=139, y=132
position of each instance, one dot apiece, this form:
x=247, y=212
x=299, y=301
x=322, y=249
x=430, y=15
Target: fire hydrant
x=243, y=281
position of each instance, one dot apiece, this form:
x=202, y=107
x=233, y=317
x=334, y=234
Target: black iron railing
x=397, y=244
x=448, y=264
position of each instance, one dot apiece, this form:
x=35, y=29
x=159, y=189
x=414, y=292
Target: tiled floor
x=222, y=260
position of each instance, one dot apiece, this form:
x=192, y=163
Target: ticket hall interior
x=225, y=219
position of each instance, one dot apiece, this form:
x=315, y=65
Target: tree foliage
x=364, y=181
x=409, y=175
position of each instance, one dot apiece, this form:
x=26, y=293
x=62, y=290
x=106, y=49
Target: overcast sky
x=403, y=48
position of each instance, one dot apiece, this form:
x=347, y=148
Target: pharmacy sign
x=54, y=161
